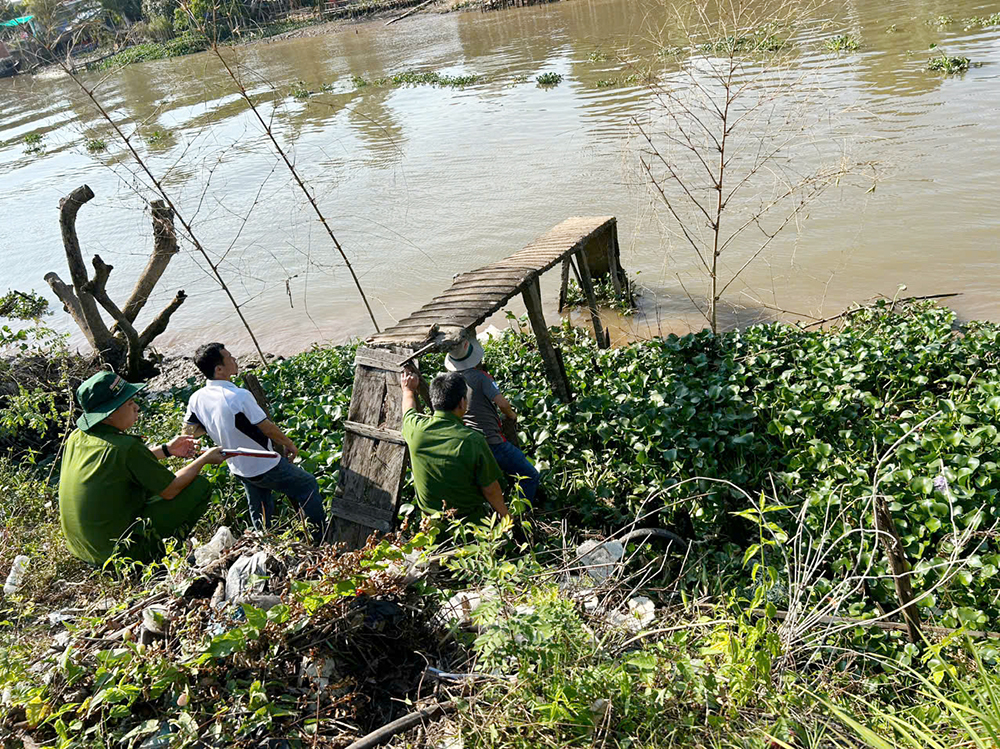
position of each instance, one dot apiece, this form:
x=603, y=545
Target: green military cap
x=101, y=395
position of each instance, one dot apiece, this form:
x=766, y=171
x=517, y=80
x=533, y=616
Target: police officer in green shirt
x=453, y=466
x=114, y=495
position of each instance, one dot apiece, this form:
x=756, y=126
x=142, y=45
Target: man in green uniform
x=114, y=495
x=452, y=464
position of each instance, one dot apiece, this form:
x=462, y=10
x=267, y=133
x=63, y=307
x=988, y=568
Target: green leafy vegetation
x=766, y=39
x=843, y=43
x=548, y=79
x=755, y=445
x=300, y=91
x=604, y=291
x=95, y=145
x=415, y=78
x=983, y=22
x=33, y=143
x=949, y=65
x=185, y=44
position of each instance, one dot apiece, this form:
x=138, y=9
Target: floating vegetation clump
x=624, y=80
x=949, y=65
x=155, y=136
x=300, y=91
x=669, y=51
x=843, y=43
x=185, y=44
x=942, y=21
x=762, y=40
x=549, y=79
x=983, y=21
x=33, y=143
x=414, y=78
x=96, y=144
x=598, y=56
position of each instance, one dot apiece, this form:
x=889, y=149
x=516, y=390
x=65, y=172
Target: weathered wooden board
x=374, y=458
x=477, y=294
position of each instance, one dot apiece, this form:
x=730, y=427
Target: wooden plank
x=555, y=373
x=374, y=433
x=371, y=472
x=377, y=359
x=362, y=514
x=588, y=289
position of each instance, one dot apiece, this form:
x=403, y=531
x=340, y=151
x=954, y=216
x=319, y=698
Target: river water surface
x=423, y=182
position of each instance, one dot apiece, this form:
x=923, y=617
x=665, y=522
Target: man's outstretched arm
x=273, y=432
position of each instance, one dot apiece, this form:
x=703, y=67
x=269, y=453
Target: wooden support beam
x=563, y=285
x=557, y=377
x=588, y=289
x=613, y=261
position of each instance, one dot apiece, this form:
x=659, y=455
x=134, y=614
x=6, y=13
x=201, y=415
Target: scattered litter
x=643, y=609
x=461, y=606
x=222, y=540
x=600, y=559
x=238, y=582
x=16, y=577
x=641, y=612
x=57, y=617
x=155, y=619
x=320, y=675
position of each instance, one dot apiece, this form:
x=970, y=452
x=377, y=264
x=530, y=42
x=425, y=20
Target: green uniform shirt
x=451, y=463
x=107, y=478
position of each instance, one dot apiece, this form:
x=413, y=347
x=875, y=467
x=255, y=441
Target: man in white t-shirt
x=232, y=418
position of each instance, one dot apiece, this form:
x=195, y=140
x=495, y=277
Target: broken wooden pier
x=373, y=465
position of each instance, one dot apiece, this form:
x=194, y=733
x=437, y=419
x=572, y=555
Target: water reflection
x=423, y=182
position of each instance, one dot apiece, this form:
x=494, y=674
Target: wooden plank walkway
x=375, y=456
x=476, y=295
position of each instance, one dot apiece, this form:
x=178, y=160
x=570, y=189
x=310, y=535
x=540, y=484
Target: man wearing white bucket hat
x=485, y=406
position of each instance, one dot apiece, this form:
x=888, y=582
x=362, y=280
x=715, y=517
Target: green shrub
x=160, y=29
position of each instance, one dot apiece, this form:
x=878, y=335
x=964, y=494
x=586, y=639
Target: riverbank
x=763, y=449
x=301, y=25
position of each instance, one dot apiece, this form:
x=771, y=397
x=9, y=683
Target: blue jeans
x=298, y=485
x=513, y=463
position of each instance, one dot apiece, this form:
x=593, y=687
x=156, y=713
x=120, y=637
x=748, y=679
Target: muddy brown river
x=423, y=182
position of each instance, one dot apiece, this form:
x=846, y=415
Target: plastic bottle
x=16, y=577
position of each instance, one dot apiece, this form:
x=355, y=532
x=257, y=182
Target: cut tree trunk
x=121, y=346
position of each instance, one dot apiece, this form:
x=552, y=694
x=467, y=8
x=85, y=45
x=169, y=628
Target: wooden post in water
x=588, y=289
x=557, y=376
x=613, y=262
x=563, y=284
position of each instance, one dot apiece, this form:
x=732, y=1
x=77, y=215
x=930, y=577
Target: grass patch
x=548, y=79
x=843, y=43
x=949, y=65
x=96, y=145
